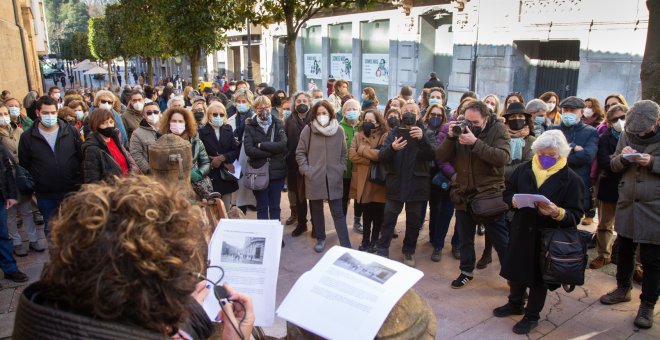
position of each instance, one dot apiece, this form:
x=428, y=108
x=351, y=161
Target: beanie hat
x=641, y=116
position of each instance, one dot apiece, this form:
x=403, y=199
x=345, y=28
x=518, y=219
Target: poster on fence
x=375, y=68
x=313, y=65
x=341, y=65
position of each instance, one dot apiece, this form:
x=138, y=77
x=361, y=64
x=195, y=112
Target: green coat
x=349, y=132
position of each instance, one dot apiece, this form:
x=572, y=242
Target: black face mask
x=393, y=122
x=199, y=115
x=409, y=118
x=302, y=108
x=649, y=135
x=476, y=130
x=517, y=124
x=107, y=132
x=367, y=127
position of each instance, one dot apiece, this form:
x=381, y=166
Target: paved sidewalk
x=461, y=314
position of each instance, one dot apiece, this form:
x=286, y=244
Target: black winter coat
x=521, y=260
x=55, y=173
x=98, y=163
x=275, y=150
x=215, y=147
x=407, y=171
x=608, y=182
x=293, y=127
x=7, y=180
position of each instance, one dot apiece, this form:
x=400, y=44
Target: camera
x=459, y=128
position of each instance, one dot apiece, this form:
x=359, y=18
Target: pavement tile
x=6, y=295
x=6, y=324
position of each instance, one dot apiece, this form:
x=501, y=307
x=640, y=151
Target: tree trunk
x=291, y=36
x=110, y=73
x=150, y=72
x=125, y=70
x=650, y=74
x=194, y=67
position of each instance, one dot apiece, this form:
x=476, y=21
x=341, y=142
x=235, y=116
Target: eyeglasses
x=149, y=113
x=103, y=101
x=215, y=114
x=616, y=119
x=263, y=109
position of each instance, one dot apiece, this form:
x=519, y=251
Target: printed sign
x=313, y=65
x=376, y=68
x=341, y=66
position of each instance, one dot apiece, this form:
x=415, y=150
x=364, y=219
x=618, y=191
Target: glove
x=195, y=176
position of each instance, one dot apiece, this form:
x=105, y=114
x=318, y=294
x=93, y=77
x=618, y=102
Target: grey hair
x=536, y=105
x=174, y=99
x=552, y=139
x=298, y=94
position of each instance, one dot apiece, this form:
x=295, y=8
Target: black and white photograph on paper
x=248, y=250
x=373, y=271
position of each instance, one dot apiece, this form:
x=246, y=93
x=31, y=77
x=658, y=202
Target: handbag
x=225, y=175
x=376, y=173
x=564, y=256
x=257, y=178
x=23, y=178
x=488, y=208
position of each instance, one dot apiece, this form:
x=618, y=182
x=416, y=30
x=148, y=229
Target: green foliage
x=141, y=31
x=65, y=17
x=75, y=47
x=102, y=39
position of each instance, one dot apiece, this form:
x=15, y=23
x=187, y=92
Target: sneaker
x=291, y=220
x=299, y=231
x=461, y=281
x=372, y=249
x=638, y=275
x=481, y=230
x=409, y=260
x=36, y=246
x=357, y=227
x=620, y=294
x=644, y=318
x=320, y=245
x=455, y=252
x=484, y=261
x=587, y=220
x=16, y=276
x=435, y=257
x=525, y=325
x=599, y=262
x=507, y=310
x=20, y=251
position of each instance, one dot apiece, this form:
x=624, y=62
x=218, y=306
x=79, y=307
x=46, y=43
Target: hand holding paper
x=529, y=200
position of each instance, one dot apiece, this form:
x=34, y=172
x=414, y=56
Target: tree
x=295, y=13
x=64, y=18
x=102, y=41
x=650, y=74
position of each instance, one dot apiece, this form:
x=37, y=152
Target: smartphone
x=403, y=132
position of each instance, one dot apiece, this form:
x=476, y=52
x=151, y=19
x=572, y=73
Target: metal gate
x=558, y=68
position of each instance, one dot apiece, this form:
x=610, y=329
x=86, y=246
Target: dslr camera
x=459, y=128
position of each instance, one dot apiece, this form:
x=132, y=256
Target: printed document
x=529, y=200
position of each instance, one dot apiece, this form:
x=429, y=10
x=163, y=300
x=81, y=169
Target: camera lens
x=457, y=129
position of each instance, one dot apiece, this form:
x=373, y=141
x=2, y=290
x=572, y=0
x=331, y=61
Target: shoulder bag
x=377, y=173
x=564, y=256
x=257, y=178
x=488, y=208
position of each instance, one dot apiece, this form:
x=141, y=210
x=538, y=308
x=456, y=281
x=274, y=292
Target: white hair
x=175, y=99
x=536, y=105
x=349, y=102
x=552, y=139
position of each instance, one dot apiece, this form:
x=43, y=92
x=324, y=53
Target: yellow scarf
x=543, y=174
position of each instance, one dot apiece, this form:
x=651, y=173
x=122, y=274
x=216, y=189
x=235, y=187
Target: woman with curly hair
x=121, y=268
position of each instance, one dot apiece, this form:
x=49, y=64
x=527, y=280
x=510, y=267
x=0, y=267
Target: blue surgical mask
x=568, y=119
x=352, y=115
x=434, y=101
x=242, y=107
x=217, y=121
x=49, y=120
x=539, y=120
x=14, y=111
x=80, y=115
x=287, y=113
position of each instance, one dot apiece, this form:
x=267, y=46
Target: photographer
x=478, y=145
x=406, y=154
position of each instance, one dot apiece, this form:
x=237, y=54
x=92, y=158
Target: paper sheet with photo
x=529, y=200
x=348, y=294
x=249, y=253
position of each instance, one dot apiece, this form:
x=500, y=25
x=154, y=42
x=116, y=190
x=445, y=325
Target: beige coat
x=131, y=119
x=362, y=153
x=10, y=139
x=321, y=159
x=141, y=139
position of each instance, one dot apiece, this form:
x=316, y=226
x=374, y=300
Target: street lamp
x=249, y=56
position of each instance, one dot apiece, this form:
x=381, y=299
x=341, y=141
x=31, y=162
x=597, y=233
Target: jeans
x=48, y=208
x=24, y=208
x=535, y=302
x=268, y=200
x=372, y=214
x=413, y=225
x=496, y=231
x=650, y=255
x=441, y=212
x=338, y=217
x=357, y=209
x=7, y=261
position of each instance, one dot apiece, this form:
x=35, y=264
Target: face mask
x=352, y=115
x=107, y=132
x=5, y=121
x=49, y=120
x=315, y=101
x=435, y=122
x=14, y=111
x=177, y=128
x=393, y=122
x=265, y=119
x=242, y=107
x=232, y=88
x=217, y=121
x=588, y=112
x=409, y=118
x=57, y=95
x=434, y=101
x=550, y=106
x=517, y=124
x=648, y=135
x=568, y=119
x=491, y=107
x=105, y=106
x=287, y=113
x=547, y=161
x=619, y=125
x=138, y=106
x=199, y=115
x=539, y=120
x=153, y=119
x=419, y=99
x=367, y=127
x=79, y=115
x=302, y=108
x=323, y=120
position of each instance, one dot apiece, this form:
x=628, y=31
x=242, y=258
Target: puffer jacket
x=349, y=132
x=275, y=150
x=200, y=160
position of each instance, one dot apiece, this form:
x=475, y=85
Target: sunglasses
x=218, y=114
x=616, y=119
x=149, y=113
x=103, y=101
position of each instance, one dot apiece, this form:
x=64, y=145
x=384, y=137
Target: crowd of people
x=334, y=147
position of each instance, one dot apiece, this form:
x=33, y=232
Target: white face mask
x=57, y=95
x=106, y=106
x=177, y=128
x=323, y=120
x=588, y=112
x=153, y=119
x=138, y=106
x=619, y=125
x=14, y=111
x=491, y=107
x=551, y=106
x=79, y=115
x=5, y=120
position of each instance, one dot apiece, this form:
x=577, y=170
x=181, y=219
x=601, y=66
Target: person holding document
x=546, y=174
